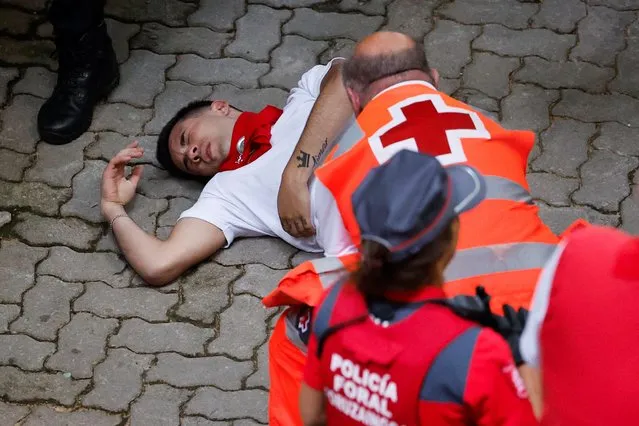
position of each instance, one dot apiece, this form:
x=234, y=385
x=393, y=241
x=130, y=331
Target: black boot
x=87, y=72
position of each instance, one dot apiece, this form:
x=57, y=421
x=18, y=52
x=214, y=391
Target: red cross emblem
x=426, y=124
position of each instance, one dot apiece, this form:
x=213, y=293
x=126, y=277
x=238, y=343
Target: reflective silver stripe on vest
x=291, y=329
x=497, y=258
x=499, y=188
x=329, y=270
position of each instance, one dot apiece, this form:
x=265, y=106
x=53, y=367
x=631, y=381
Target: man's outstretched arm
x=157, y=262
x=327, y=120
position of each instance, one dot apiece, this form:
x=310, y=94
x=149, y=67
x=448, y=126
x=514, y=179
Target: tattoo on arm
x=303, y=160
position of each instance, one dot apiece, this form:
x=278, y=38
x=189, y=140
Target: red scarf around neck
x=251, y=137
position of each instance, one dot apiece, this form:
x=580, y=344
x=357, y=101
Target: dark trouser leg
x=87, y=70
x=76, y=17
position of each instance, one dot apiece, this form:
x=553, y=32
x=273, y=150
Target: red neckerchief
x=251, y=137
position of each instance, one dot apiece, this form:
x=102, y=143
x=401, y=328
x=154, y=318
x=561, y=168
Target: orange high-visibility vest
x=503, y=244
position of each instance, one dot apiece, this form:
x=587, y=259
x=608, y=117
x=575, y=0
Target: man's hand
x=117, y=189
x=294, y=203
x=511, y=330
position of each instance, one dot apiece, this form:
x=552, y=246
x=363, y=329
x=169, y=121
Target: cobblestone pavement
x=84, y=342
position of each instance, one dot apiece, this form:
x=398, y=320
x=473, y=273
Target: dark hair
x=377, y=275
x=360, y=71
x=163, y=154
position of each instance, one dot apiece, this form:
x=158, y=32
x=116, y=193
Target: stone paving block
x=45, y=308
x=16, y=385
x=291, y=59
x=142, y=78
x=627, y=80
x=119, y=117
x=410, y=17
x=5, y=217
x=630, y=209
x=596, y=108
x=157, y=183
x=206, y=292
x=527, y=107
x=616, y=4
x=12, y=414
x=13, y=164
x=510, y=13
x=176, y=94
x=218, y=371
x=168, y=12
x=217, y=14
x=51, y=417
x=24, y=352
x=216, y=404
x=81, y=345
x=291, y=4
x=449, y=85
x=601, y=35
x=552, y=189
x=565, y=147
x=338, y=48
x=317, y=25
x=71, y=265
x=85, y=203
x=7, y=75
x=201, y=421
x=271, y=252
x=117, y=380
x=260, y=20
x=564, y=74
x=246, y=317
x=159, y=405
x=489, y=74
x=120, y=34
x=166, y=40
x=246, y=422
x=250, y=99
x=176, y=207
x=369, y=7
x=618, y=138
x=105, y=301
x=36, y=5
x=237, y=71
x=604, y=180
x=261, y=376
x=71, y=232
x=448, y=47
x=108, y=144
x=144, y=212
x=559, y=218
x=143, y=337
x=537, y=42
x=477, y=99
x=258, y=280
x=17, y=269
x=7, y=314
x=18, y=120
x=560, y=15
x=27, y=52
x=163, y=232
x=56, y=165
x=37, y=81
x=36, y=196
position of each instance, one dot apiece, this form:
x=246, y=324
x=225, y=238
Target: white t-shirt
x=243, y=202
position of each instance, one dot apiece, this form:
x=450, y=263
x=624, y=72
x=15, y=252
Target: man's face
x=200, y=143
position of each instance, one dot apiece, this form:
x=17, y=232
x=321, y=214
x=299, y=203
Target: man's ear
x=435, y=76
x=355, y=100
x=220, y=108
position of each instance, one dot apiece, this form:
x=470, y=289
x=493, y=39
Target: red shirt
x=473, y=381
x=589, y=337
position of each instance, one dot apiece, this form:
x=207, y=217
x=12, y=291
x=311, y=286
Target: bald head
x=384, y=43
x=381, y=60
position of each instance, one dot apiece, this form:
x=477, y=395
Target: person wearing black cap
x=386, y=347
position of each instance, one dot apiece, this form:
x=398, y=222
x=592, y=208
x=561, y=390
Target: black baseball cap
x=407, y=202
